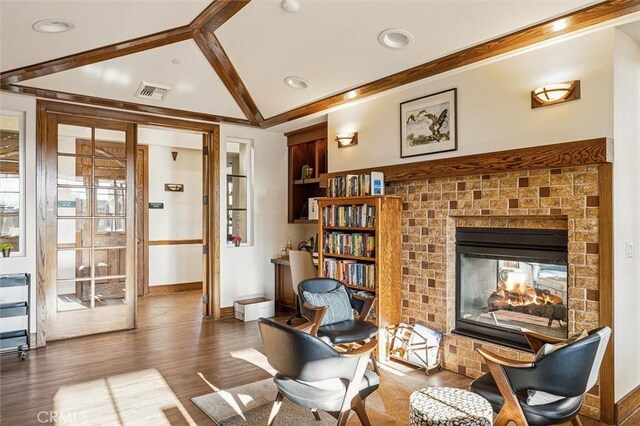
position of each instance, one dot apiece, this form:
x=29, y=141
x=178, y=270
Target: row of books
x=349, y=186
x=360, y=215
x=353, y=244
x=350, y=272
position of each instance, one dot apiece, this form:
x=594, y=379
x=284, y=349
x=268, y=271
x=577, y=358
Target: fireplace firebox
x=509, y=279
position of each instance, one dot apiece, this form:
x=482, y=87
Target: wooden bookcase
x=386, y=259
x=306, y=146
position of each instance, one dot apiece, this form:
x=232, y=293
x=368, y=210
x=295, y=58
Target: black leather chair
x=344, y=332
x=302, y=360
x=567, y=373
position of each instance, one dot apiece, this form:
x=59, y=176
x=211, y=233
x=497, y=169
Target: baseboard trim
x=226, y=313
x=173, y=288
x=629, y=404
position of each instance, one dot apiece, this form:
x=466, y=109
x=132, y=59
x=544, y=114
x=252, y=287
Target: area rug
x=250, y=404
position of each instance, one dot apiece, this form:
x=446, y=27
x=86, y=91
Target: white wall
x=626, y=198
x=493, y=106
x=247, y=270
x=181, y=217
x=27, y=263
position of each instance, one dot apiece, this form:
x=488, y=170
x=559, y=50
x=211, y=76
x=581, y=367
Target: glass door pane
x=91, y=231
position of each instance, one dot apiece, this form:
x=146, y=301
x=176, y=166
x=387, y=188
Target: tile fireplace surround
x=552, y=198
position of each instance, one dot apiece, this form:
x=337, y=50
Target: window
x=239, y=192
x=12, y=218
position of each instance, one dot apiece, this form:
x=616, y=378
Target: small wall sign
x=156, y=205
x=66, y=204
x=174, y=187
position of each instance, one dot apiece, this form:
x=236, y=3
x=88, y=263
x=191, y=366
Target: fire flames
x=515, y=291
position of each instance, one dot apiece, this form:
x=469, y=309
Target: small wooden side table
x=442, y=406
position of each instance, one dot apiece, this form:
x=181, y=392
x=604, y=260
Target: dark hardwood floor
x=130, y=377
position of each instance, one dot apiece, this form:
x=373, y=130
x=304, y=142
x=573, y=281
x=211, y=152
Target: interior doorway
x=87, y=218
x=169, y=217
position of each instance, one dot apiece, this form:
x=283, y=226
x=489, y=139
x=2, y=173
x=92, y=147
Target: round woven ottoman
x=449, y=407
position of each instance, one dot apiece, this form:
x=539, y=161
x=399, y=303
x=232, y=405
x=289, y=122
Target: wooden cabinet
x=359, y=236
x=285, y=297
x=307, y=147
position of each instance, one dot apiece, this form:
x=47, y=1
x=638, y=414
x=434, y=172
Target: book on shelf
x=350, y=244
x=350, y=272
x=356, y=216
x=349, y=186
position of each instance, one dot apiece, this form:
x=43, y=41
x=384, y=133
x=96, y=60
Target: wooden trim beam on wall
x=544, y=31
x=129, y=106
x=591, y=151
x=217, y=57
x=144, y=119
x=174, y=242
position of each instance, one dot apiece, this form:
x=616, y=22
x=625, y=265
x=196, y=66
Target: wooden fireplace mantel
x=576, y=153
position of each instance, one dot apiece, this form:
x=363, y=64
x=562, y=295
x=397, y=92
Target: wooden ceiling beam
x=217, y=13
x=577, y=20
x=217, y=57
x=129, y=106
x=100, y=54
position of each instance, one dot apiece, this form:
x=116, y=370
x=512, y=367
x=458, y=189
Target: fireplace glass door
x=514, y=293
x=509, y=280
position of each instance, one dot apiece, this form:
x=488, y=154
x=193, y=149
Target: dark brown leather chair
x=302, y=360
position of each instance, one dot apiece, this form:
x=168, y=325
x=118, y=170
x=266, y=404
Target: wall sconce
x=556, y=93
x=347, y=139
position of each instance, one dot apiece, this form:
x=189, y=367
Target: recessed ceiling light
x=296, y=82
x=175, y=61
x=394, y=38
x=290, y=6
x=53, y=25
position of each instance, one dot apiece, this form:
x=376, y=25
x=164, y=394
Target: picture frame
x=428, y=124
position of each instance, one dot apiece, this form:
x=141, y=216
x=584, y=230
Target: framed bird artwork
x=429, y=124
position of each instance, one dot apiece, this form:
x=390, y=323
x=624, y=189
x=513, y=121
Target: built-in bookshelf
x=359, y=244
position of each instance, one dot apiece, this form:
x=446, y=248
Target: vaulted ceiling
x=227, y=60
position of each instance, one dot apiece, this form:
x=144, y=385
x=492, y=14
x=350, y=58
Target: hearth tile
x=545, y=191
x=523, y=182
x=453, y=205
x=513, y=203
x=555, y=171
x=593, y=201
x=405, y=303
x=585, y=189
x=555, y=212
x=425, y=298
x=543, y=180
x=462, y=370
x=461, y=186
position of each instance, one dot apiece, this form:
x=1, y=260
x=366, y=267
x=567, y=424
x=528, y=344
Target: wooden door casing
x=142, y=219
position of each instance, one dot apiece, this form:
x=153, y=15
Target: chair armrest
x=537, y=340
x=366, y=308
x=491, y=357
x=318, y=315
x=365, y=349
x=307, y=327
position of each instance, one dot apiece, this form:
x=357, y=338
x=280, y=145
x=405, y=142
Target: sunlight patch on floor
x=132, y=399
x=254, y=357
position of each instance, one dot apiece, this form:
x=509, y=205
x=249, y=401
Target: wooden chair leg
x=358, y=407
x=315, y=414
x=576, y=421
x=343, y=417
x=511, y=409
x=275, y=408
x=375, y=363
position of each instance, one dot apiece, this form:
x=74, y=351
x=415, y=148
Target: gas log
x=531, y=301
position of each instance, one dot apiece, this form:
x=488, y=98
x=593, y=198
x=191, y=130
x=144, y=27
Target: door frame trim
x=211, y=136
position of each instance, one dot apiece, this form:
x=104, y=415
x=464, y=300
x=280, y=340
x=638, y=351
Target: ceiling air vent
x=153, y=91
